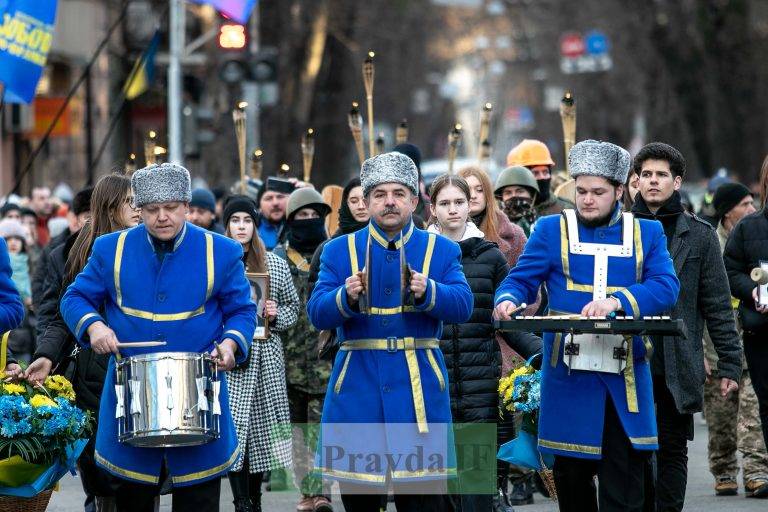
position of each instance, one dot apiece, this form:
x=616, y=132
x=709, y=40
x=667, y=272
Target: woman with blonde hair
x=258, y=392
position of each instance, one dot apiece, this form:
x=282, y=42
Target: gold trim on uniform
x=164, y=317
x=632, y=302
x=644, y=440
x=236, y=333
x=555, y=349
x=436, y=369
x=82, y=321
x=340, y=304
x=629, y=378
x=352, y=475
x=423, y=472
x=638, y=252
x=134, y=475
x=416, y=389
x=570, y=447
x=208, y=472
x=428, y=254
x=385, y=243
x=352, y=253
x=342, y=374
x=564, y=257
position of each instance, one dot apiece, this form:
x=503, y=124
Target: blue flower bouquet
x=42, y=433
x=520, y=392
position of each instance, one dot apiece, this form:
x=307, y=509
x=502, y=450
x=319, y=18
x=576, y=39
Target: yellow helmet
x=529, y=153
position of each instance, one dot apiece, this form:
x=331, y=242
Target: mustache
x=388, y=210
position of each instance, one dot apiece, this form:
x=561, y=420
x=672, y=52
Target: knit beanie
x=727, y=196
x=203, y=198
x=237, y=204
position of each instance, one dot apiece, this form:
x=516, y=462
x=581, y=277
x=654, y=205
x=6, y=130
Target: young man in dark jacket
x=746, y=249
x=677, y=364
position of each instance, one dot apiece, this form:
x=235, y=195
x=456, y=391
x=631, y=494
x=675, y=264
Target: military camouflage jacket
x=303, y=370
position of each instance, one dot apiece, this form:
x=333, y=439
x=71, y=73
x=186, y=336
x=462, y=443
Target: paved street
x=700, y=495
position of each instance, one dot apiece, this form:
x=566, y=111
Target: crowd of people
x=389, y=320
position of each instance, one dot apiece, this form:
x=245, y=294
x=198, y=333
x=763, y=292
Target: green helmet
x=305, y=197
x=516, y=175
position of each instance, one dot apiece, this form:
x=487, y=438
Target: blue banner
x=237, y=10
x=26, y=35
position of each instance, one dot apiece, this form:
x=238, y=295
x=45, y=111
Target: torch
x=485, y=128
x=380, y=143
x=401, y=132
x=238, y=116
x=130, y=165
x=149, y=147
x=308, y=152
x=453, y=145
x=485, y=153
x=284, y=170
x=257, y=165
x=568, y=118
x=368, y=72
x=356, y=127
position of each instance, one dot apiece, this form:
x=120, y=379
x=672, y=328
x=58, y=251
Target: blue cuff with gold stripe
x=242, y=344
x=343, y=305
x=628, y=302
x=85, y=321
x=430, y=296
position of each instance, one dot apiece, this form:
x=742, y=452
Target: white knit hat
x=595, y=158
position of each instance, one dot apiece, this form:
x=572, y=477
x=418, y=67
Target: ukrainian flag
x=143, y=71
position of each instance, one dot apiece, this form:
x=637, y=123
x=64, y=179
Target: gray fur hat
x=390, y=167
x=161, y=183
x=595, y=158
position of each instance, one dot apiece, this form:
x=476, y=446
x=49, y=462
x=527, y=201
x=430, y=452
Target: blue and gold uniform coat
x=573, y=406
x=379, y=387
x=198, y=294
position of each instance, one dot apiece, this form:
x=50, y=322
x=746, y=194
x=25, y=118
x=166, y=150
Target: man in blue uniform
x=165, y=280
x=596, y=420
x=387, y=289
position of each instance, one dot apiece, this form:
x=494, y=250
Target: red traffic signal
x=232, y=36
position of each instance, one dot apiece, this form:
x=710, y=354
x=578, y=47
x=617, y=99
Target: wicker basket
x=548, y=477
x=15, y=504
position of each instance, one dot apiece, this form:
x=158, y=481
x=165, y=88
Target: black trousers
x=135, y=497
x=675, y=430
x=756, y=352
x=621, y=473
x=355, y=501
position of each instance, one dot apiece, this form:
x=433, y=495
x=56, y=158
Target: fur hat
x=603, y=159
x=390, y=167
x=160, y=184
x=11, y=228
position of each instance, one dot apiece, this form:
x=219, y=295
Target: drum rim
x=158, y=356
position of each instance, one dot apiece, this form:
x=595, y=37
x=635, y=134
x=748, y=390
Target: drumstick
x=140, y=344
x=518, y=308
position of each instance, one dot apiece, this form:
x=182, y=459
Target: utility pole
x=177, y=26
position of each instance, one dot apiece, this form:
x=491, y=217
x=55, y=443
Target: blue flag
x=26, y=35
x=237, y=10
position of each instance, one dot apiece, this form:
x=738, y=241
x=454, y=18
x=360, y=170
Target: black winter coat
x=472, y=355
x=747, y=246
x=88, y=369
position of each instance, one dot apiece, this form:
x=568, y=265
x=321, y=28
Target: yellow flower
x=41, y=401
x=60, y=386
x=14, y=389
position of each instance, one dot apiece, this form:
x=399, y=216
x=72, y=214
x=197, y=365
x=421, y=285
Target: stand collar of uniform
x=400, y=239
x=155, y=242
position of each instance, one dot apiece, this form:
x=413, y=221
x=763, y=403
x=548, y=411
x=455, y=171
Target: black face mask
x=543, y=190
x=518, y=207
x=306, y=234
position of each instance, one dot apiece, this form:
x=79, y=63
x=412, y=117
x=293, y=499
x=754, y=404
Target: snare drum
x=167, y=399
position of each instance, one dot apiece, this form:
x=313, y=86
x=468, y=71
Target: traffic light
x=233, y=37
